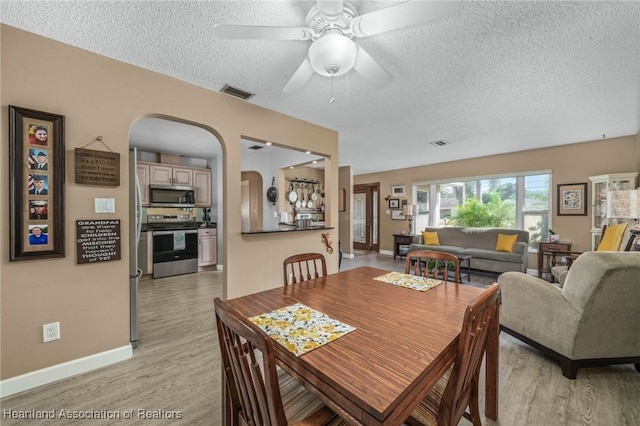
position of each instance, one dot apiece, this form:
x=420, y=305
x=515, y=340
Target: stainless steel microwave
x=171, y=196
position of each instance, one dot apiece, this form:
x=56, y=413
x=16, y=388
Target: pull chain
x=333, y=99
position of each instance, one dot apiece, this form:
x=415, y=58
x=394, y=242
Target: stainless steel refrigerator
x=135, y=227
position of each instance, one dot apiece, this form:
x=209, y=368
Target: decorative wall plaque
x=97, y=167
x=97, y=240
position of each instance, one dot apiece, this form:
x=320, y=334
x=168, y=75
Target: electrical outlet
x=50, y=332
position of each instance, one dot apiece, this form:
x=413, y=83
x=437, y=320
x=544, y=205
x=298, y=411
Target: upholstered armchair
x=592, y=321
x=614, y=238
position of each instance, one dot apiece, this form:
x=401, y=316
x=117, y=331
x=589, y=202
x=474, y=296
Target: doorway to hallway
x=366, y=225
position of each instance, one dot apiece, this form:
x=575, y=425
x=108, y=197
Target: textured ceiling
x=494, y=77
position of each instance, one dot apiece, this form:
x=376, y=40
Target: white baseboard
x=387, y=252
x=51, y=374
x=348, y=255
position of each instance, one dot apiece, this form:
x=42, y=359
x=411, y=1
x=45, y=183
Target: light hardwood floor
x=177, y=368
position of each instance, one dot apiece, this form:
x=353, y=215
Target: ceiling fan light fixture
x=333, y=54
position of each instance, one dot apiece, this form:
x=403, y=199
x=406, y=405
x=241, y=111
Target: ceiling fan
x=331, y=25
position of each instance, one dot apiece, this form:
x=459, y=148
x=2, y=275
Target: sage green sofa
x=592, y=320
x=480, y=243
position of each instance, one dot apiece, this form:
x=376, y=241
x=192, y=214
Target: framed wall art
x=399, y=191
x=572, y=199
x=397, y=215
x=394, y=203
x=36, y=156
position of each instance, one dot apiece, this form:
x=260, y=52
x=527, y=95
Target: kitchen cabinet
x=202, y=187
x=600, y=185
x=207, y=246
x=163, y=174
x=142, y=171
x=167, y=174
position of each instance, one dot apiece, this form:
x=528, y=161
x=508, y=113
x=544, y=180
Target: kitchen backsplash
x=196, y=213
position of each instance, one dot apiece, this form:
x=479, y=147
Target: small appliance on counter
x=206, y=219
x=303, y=221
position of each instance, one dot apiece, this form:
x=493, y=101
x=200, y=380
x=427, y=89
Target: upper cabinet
x=162, y=174
x=600, y=185
x=202, y=186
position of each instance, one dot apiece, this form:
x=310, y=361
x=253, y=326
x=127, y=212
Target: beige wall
x=638, y=150
x=345, y=178
x=568, y=163
x=100, y=96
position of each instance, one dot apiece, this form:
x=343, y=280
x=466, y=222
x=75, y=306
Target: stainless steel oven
x=175, y=245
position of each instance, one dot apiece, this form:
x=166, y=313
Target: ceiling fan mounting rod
x=320, y=23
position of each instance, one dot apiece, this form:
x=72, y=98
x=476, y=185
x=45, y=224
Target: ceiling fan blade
x=401, y=15
x=300, y=77
x=261, y=32
x=330, y=9
x=370, y=69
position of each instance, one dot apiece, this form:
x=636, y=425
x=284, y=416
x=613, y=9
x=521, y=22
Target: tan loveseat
x=480, y=243
x=592, y=321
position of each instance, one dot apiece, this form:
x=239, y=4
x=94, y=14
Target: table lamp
x=410, y=210
x=625, y=205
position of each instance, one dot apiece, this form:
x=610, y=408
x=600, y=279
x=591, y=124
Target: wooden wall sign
x=97, y=240
x=97, y=167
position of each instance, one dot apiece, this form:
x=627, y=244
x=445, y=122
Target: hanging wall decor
x=36, y=156
x=572, y=199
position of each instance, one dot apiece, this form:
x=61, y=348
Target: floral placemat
x=300, y=328
x=414, y=282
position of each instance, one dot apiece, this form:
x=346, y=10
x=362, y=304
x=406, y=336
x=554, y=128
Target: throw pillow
x=430, y=238
x=506, y=242
x=612, y=238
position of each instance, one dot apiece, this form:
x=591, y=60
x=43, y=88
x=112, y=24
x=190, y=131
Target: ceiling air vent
x=438, y=143
x=238, y=93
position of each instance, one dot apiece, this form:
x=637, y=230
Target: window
x=536, y=208
x=422, y=197
x=518, y=201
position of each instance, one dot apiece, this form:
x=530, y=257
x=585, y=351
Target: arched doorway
x=168, y=152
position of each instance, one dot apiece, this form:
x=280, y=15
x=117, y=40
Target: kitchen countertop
x=286, y=228
x=207, y=224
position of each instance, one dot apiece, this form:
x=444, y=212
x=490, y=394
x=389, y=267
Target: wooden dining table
x=403, y=343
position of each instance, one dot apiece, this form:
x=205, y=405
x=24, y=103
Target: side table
x=547, y=249
x=462, y=258
x=401, y=240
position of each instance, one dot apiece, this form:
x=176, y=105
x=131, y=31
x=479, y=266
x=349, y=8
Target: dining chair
x=433, y=264
x=447, y=401
x=260, y=393
x=304, y=266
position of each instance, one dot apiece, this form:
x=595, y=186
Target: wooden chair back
x=462, y=388
x=252, y=381
x=432, y=264
x=304, y=266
